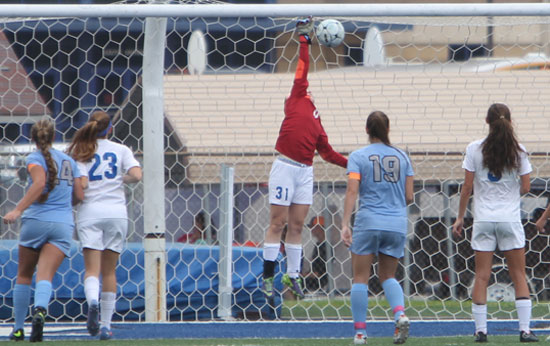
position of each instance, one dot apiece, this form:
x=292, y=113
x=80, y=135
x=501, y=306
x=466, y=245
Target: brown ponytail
x=378, y=126
x=501, y=148
x=84, y=143
x=42, y=133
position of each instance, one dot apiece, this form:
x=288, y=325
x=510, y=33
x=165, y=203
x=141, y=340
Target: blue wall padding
x=192, y=284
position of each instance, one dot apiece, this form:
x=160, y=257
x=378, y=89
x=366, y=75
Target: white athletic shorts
x=290, y=182
x=103, y=234
x=486, y=236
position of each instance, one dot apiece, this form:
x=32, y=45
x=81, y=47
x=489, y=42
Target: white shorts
x=486, y=236
x=103, y=234
x=290, y=182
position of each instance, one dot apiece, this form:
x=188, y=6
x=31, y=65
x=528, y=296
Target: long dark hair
x=84, y=143
x=42, y=133
x=500, y=149
x=378, y=126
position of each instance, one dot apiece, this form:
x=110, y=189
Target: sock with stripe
x=394, y=295
x=359, y=305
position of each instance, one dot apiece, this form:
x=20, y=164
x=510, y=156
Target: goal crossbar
x=270, y=10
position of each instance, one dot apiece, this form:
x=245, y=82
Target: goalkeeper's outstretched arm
x=303, y=28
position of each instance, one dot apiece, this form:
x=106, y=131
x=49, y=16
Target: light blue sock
x=359, y=305
x=42, y=294
x=21, y=301
x=394, y=295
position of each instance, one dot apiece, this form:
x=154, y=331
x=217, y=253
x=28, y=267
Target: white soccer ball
x=330, y=32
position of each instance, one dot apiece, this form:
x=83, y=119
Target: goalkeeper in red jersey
x=291, y=176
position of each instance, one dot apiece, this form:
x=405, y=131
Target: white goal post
x=438, y=68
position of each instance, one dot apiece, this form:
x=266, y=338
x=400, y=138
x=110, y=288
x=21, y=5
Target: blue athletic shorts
x=36, y=233
x=375, y=242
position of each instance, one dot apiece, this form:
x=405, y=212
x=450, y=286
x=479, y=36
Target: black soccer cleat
x=17, y=335
x=92, y=324
x=480, y=337
x=38, y=320
x=528, y=337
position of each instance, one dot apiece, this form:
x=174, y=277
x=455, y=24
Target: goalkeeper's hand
x=304, y=26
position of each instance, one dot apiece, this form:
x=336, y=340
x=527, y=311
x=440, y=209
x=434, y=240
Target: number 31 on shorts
x=281, y=192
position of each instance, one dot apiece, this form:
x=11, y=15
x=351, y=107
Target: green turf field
x=443, y=341
x=424, y=309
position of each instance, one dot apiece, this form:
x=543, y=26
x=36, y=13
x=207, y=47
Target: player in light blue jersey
x=46, y=228
x=382, y=176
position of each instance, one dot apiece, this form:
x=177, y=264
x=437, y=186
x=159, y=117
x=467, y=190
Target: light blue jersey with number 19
x=383, y=170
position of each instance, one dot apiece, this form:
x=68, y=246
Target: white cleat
x=360, y=339
x=401, y=330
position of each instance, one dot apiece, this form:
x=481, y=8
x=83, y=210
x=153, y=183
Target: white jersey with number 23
x=104, y=198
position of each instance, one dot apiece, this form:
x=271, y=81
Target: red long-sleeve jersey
x=301, y=132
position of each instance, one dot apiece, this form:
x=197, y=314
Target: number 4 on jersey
x=66, y=172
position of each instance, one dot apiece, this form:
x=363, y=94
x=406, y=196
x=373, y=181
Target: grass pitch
x=414, y=308
x=439, y=341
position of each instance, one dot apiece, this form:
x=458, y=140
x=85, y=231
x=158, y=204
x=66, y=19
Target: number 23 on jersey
x=110, y=171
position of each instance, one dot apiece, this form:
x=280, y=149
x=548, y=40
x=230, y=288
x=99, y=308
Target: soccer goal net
x=211, y=98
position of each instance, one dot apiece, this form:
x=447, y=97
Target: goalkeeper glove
x=304, y=26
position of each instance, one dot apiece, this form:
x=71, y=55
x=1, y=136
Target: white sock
x=91, y=289
x=480, y=317
x=271, y=251
x=523, y=307
x=294, y=259
x=108, y=302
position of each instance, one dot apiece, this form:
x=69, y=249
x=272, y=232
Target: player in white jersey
x=102, y=220
x=382, y=176
x=492, y=166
